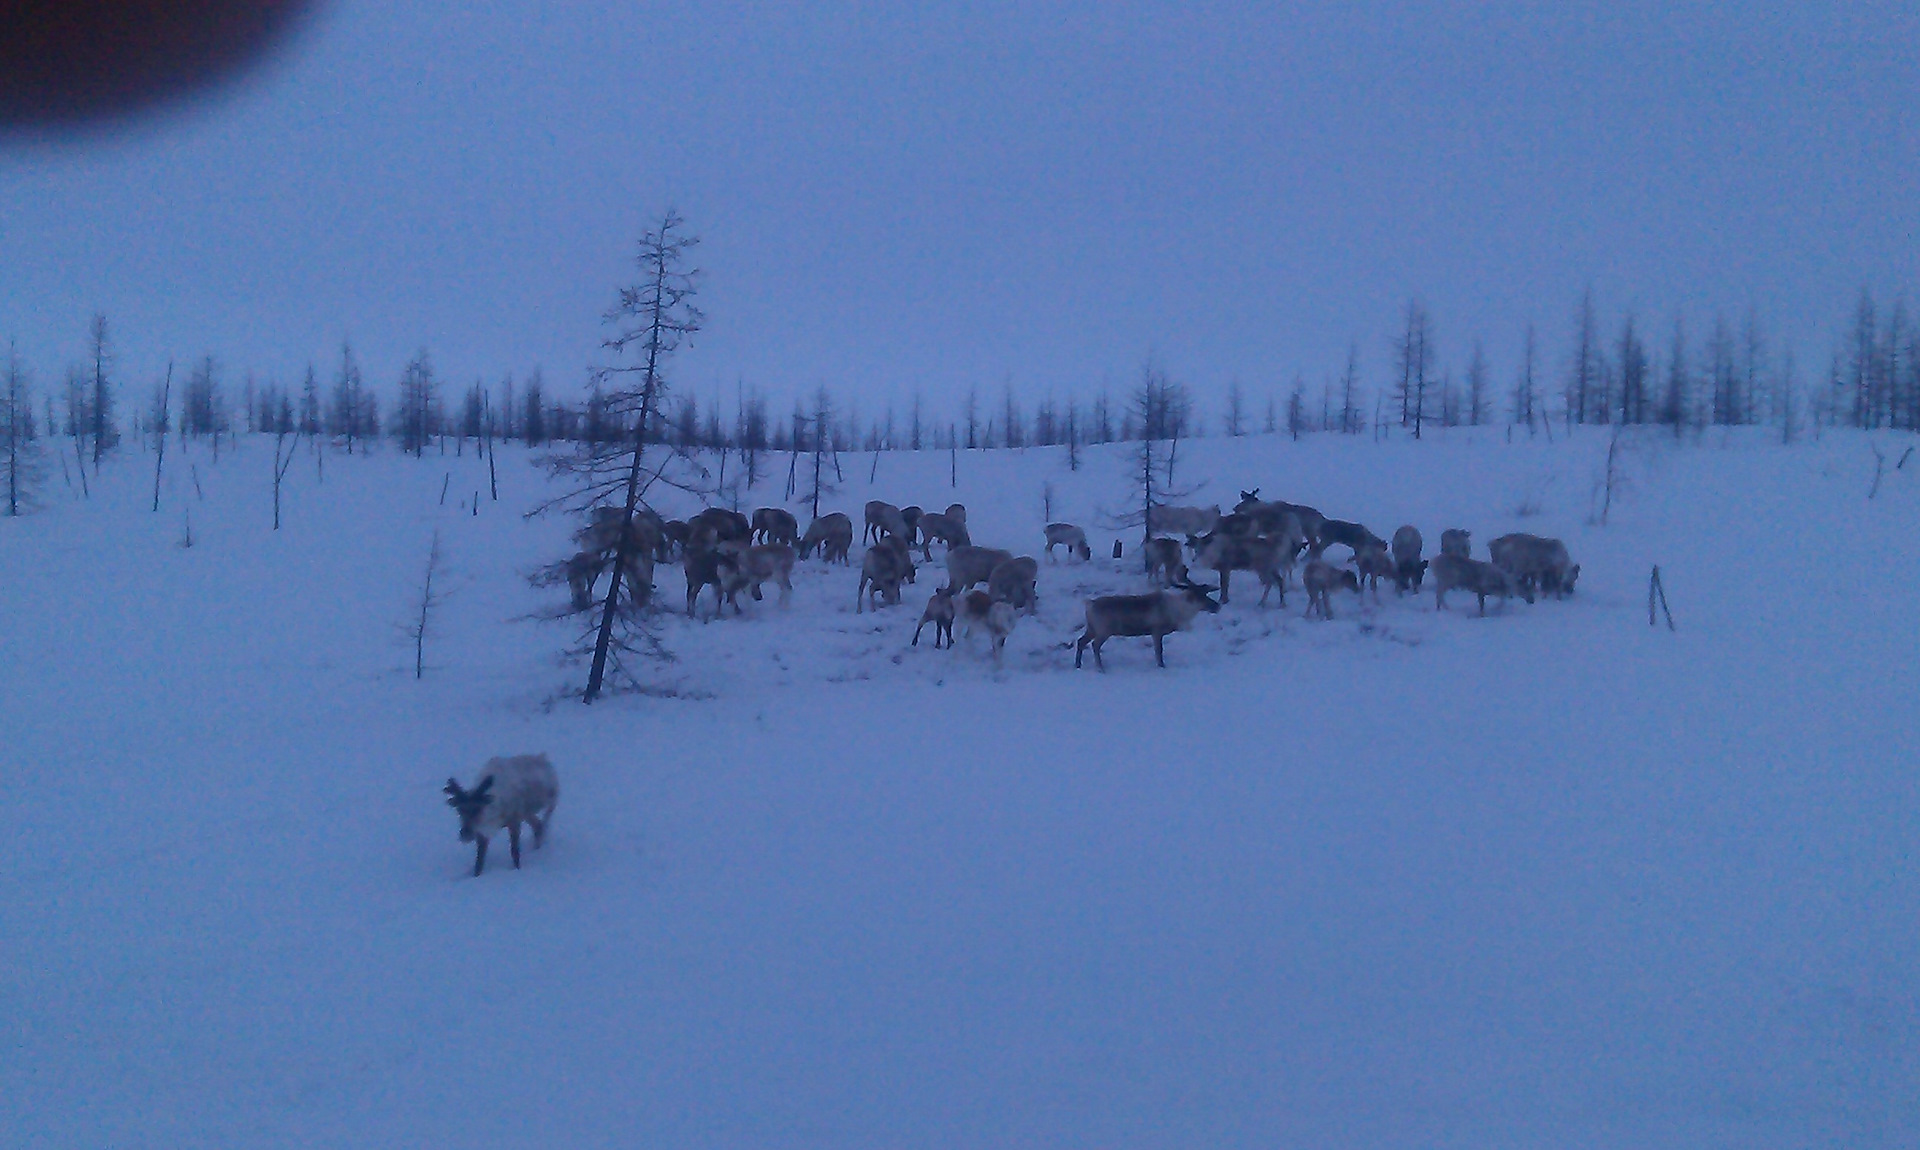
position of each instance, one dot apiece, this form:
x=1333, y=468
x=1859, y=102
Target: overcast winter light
x=958, y=195
x=960, y=575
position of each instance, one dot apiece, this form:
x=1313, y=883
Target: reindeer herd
x=987, y=589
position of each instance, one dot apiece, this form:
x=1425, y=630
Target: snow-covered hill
x=1547, y=878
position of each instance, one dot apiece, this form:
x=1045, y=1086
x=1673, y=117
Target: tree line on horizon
x=1624, y=374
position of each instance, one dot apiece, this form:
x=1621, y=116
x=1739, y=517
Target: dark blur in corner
x=70, y=65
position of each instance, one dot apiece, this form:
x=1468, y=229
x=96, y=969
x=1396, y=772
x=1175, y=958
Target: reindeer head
x=469, y=804
x=1201, y=594
x=1247, y=498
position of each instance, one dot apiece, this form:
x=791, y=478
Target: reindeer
x=717, y=567
x=1536, y=561
x=728, y=526
x=715, y=526
x=969, y=565
x=832, y=533
x=883, y=518
x=1372, y=564
x=673, y=537
x=1158, y=614
x=1182, y=520
x=1016, y=582
x=939, y=612
x=1456, y=543
x=1320, y=579
x=957, y=512
x=1068, y=536
x=1408, y=567
x=944, y=527
x=885, y=567
x=1165, y=561
x=979, y=609
x=910, y=515
x=1350, y=535
x=583, y=571
x=1269, y=558
x=764, y=562
x=512, y=790
x=1483, y=579
x=602, y=533
x=775, y=525
x=1268, y=516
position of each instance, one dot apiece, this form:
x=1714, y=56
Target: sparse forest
x=1604, y=373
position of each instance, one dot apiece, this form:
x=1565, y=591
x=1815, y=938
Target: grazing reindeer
x=775, y=525
x=969, y=565
x=1016, y=582
x=832, y=533
x=1269, y=558
x=602, y=533
x=947, y=529
x=1068, y=536
x=719, y=568
x=1535, y=561
x=1483, y=579
x=1456, y=543
x=910, y=515
x=981, y=610
x=1408, y=567
x=883, y=518
x=885, y=567
x=764, y=562
x=512, y=790
x=673, y=537
x=1165, y=561
x=1372, y=565
x=1320, y=578
x=583, y=571
x=1159, y=614
x=939, y=612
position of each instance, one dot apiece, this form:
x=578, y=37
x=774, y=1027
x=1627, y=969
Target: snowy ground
x=1547, y=878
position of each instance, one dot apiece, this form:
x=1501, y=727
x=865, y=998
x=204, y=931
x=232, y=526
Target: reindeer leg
x=539, y=830
x=1159, y=652
x=513, y=843
x=479, y=856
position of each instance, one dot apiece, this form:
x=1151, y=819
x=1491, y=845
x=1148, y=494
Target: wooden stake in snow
x=1657, y=594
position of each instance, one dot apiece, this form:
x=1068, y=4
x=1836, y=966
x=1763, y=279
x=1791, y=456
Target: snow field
x=1547, y=878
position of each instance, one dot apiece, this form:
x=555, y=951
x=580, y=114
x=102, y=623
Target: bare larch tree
x=650, y=321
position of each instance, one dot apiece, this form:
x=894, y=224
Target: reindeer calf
x=939, y=612
x=1320, y=579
